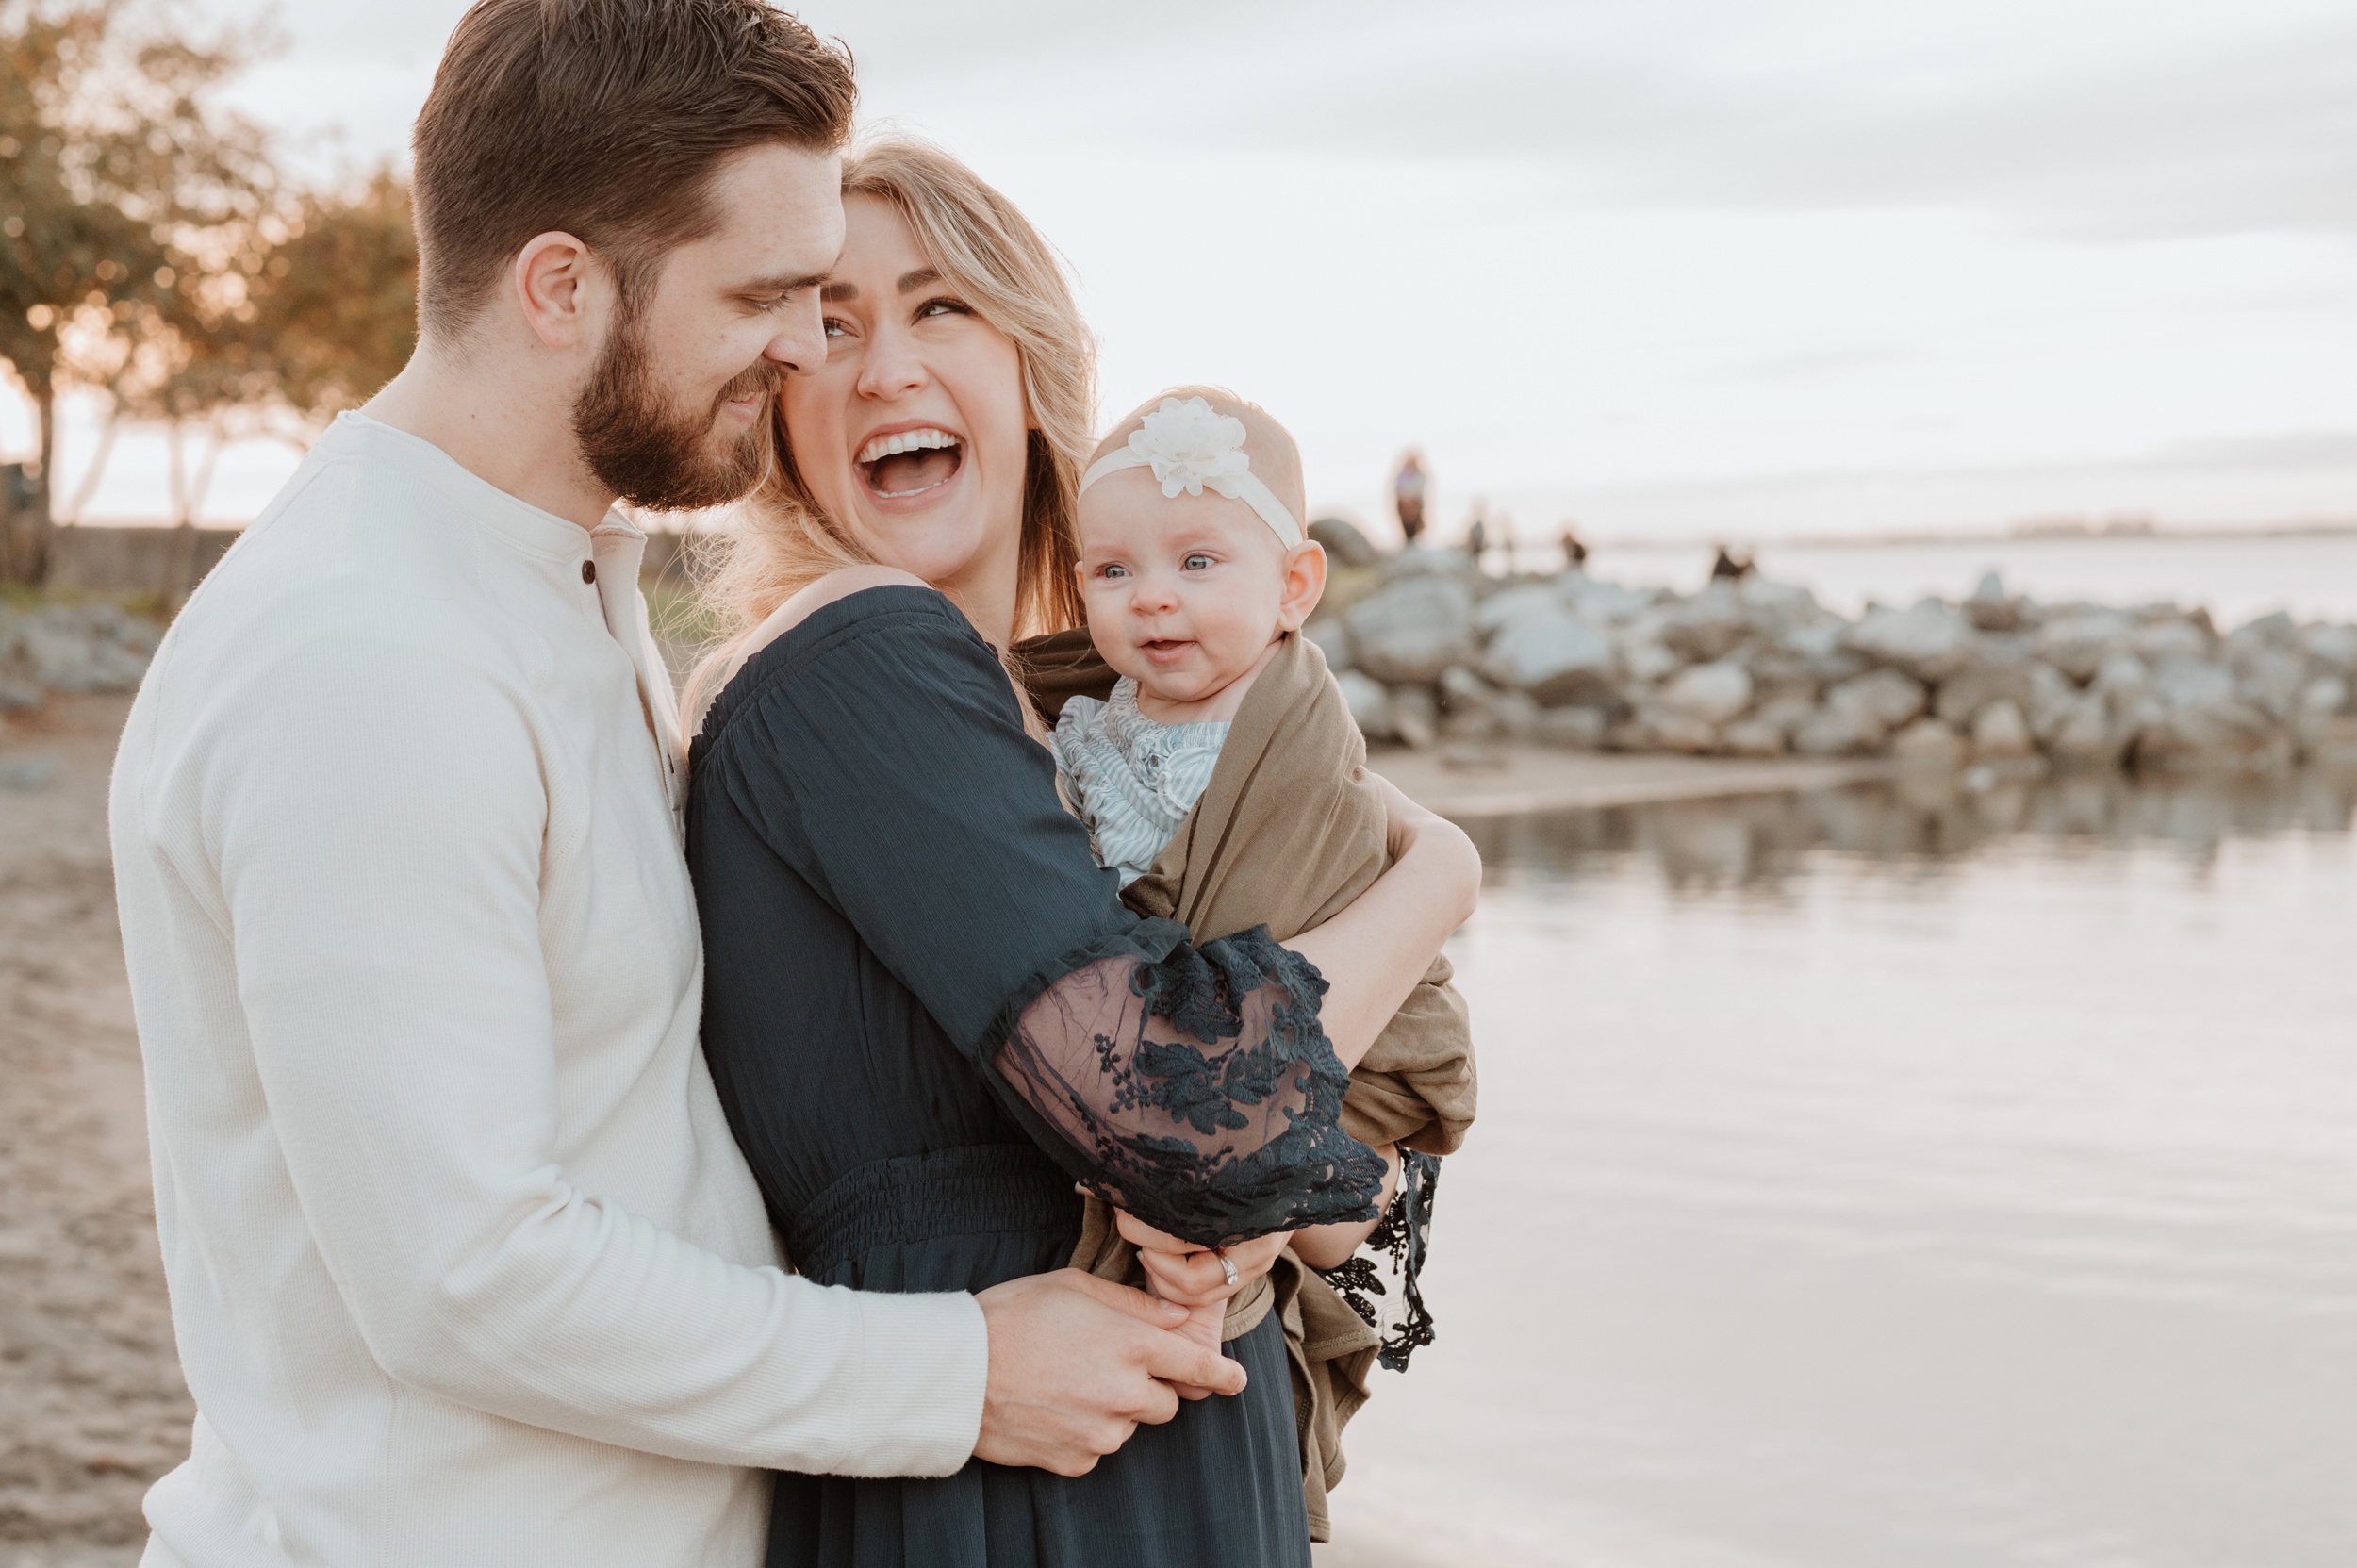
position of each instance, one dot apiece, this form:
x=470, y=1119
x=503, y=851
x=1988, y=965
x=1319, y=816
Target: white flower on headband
x=1188, y=447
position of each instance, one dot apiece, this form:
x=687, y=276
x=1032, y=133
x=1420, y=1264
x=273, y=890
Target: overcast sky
x=1691, y=265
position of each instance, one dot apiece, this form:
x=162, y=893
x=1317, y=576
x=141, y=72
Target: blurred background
x=1914, y=1005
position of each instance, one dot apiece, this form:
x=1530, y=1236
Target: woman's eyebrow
x=910, y=281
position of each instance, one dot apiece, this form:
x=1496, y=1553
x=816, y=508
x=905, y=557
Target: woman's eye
x=833, y=327
x=940, y=307
x=1199, y=563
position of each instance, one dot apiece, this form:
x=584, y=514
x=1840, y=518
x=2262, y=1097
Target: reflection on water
x=1897, y=1176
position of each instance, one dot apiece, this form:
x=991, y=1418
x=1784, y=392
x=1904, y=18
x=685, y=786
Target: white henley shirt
x=465, y=1265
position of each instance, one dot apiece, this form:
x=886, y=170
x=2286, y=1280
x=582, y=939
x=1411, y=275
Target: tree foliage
x=149, y=249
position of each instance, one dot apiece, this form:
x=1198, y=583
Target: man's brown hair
x=605, y=119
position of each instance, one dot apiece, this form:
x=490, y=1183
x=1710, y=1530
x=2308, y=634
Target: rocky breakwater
x=70, y=649
x=1432, y=651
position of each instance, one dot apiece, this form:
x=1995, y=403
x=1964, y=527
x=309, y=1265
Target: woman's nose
x=892, y=366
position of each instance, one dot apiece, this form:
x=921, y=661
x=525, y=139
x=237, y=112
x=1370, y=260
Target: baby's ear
x=1305, y=583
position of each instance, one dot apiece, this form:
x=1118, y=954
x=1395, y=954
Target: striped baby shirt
x=1131, y=780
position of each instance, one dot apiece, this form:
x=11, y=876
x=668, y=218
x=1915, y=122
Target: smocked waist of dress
x=981, y=1190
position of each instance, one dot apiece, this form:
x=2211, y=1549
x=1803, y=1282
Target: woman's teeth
x=906, y=441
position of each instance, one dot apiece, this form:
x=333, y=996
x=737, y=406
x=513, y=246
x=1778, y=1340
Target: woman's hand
x=1189, y=1275
x=1374, y=951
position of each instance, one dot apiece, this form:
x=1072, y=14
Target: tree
x=116, y=171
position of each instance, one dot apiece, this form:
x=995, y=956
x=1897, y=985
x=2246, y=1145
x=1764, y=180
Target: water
x=1897, y=1179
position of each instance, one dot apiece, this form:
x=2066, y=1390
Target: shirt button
x=588, y=571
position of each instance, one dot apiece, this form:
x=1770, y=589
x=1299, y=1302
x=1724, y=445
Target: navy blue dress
x=929, y=1015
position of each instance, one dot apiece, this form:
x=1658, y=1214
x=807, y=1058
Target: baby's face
x=1184, y=592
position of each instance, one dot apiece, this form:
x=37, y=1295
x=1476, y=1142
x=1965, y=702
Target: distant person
x=1574, y=549
x=1477, y=540
x=1407, y=495
x=1506, y=540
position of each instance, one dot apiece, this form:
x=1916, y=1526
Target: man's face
x=673, y=416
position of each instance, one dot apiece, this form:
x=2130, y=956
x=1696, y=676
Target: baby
x=1194, y=571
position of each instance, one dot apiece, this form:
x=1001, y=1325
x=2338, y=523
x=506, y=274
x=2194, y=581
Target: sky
x=1748, y=269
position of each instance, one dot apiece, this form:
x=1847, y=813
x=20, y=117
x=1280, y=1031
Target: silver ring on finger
x=1226, y=1267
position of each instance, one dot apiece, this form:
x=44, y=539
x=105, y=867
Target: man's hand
x=1077, y=1363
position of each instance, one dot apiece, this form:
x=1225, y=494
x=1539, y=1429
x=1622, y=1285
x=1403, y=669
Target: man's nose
x=800, y=344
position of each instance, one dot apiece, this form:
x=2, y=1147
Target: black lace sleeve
x=878, y=751
x=1194, y=1085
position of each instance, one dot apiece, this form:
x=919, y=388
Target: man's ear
x=559, y=286
x=1305, y=583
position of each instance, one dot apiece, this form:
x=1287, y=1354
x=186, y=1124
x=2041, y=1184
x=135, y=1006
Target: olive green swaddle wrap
x=1289, y=831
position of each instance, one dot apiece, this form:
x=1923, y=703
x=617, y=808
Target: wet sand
x=91, y=1404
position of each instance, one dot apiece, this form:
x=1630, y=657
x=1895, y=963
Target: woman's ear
x=1305, y=583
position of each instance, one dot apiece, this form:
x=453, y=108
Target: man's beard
x=656, y=456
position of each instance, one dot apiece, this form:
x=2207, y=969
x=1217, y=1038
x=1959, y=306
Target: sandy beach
x=91, y=1405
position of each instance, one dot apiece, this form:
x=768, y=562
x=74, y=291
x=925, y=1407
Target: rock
x=1370, y=704
x=17, y=696
x=1514, y=716
x=1834, y=732
x=1709, y=693
x=1880, y=699
x=1468, y=705
x=2270, y=677
x=1784, y=708
x=1415, y=716
x=1412, y=629
x=1333, y=639
x=1579, y=728
x=2122, y=675
x=2326, y=694
x=2175, y=638
x=2330, y=738
x=2226, y=734
x=2333, y=646
x=1928, y=745
x=1929, y=642
x=1666, y=730
x=1770, y=607
x=2076, y=642
x=1991, y=608
x=1706, y=626
x=1974, y=688
x=1493, y=614
x=1644, y=658
x=2186, y=684
x=1344, y=543
x=1551, y=654
x=2275, y=630
x=2083, y=734
x=2001, y=731
x=1601, y=603
x=1753, y=737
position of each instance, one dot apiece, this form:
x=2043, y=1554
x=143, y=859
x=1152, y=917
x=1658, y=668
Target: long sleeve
x=883, y=756
x=376, y=822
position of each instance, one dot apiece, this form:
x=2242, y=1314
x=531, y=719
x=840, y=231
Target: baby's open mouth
x=910, y=462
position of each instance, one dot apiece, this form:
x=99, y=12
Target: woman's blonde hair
x=989, y=255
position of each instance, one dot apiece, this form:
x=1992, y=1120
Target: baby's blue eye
x=1114, y=571
x=1199, y=563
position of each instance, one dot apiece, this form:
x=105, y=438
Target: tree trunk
x=180, y=564
x=24, y=510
